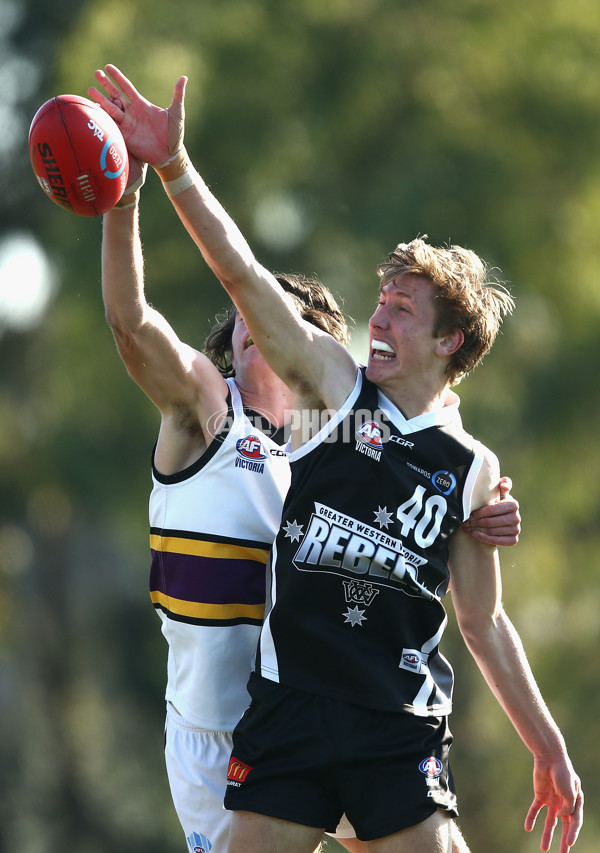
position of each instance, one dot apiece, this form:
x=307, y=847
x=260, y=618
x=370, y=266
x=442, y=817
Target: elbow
x=239, y=275
x=478, y=631
x=485, y=631
x=473, y=635
x=117, y=322
x=125, y=331
x=112, y=317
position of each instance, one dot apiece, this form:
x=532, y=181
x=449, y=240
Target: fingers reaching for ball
x=152, y=134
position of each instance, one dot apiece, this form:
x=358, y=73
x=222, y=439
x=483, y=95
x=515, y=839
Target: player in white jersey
x=213, y=515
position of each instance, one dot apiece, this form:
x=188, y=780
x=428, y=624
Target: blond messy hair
x=465, y=299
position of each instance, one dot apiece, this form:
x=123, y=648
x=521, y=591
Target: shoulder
x=203, y=374
x=485, y=488
x=193, y=414
x=330, y=379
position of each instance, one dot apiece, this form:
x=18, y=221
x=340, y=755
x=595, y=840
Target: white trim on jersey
x=437, y=417
x=331, y=425
x=478, y=450
x=269, y=666
x=442, y=703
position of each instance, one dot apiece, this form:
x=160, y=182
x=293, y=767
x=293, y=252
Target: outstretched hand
x=152, y=134
x=497, y=523
x=557, y=787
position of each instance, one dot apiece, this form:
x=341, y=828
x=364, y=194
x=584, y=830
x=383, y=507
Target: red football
x=78, y=155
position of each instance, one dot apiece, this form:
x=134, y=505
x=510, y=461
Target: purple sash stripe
x=207, y=579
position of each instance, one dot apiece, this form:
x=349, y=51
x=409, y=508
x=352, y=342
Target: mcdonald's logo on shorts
x=237, y=771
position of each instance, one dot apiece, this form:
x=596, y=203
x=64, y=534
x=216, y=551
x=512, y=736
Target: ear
x=450, y=343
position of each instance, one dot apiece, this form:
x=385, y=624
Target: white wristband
x=172, y=158
x=139, y=183
x=135, y=196
x=183, y=182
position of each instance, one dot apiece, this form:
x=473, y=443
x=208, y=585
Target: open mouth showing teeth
x=382, y=351
x=249, y=342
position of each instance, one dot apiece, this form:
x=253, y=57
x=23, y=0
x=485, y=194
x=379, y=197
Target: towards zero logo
x=444, y=481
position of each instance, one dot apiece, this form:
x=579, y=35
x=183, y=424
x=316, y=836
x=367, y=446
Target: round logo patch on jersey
x=370, y=433
x=250, y=447
x=444, y=481
x=431, y=767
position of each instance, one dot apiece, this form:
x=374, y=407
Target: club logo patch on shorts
x=198, y=843
x=237, y=772
x=431, y=767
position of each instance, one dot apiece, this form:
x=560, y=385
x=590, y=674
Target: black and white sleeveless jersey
x=359, y=566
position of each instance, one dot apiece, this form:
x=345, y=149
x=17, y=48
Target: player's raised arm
x=308, y=360
x=185, y=386
x=499, y=654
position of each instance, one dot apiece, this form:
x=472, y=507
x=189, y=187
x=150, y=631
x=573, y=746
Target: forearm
x=499, y=653
x=270, y=314
x=221, y=242
x=122, y=269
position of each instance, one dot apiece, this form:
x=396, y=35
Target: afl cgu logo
x=369, y=440
x=250, y=447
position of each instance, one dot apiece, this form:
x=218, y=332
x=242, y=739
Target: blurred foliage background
x=331, y=130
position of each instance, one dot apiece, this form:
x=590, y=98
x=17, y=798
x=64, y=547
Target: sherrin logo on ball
x=78, y=155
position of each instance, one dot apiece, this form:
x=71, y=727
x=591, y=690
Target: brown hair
x=465, y=300
x=315, y=302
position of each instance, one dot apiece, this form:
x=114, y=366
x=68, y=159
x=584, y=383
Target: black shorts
x=308, y=759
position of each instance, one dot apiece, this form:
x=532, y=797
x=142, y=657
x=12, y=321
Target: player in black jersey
x=373, y=514
x=373, y=518
x=435, y=319
x=365, y=751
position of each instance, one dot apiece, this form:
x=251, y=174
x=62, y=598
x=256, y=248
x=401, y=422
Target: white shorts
x=197, y=761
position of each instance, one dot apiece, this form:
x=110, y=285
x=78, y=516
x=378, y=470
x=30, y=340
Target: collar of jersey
x=438, y=417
